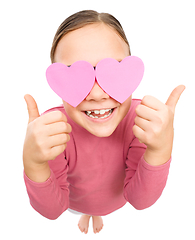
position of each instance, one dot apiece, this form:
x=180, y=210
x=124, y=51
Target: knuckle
x=162, y=119
x=63, y=147
x=66, y=127
x=64, y=138
x=137, y=110
x=156, y=131
x=67, y=138
x=145, y=99
x=42, y=150
x=135, y=120
x=58, y=151
x=69, y=128
x=159, y=120
x=58, y=114
x=36, y=129
x=62, y=126
x=134, y=129
x=61, y=116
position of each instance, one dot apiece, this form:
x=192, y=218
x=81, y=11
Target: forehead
x=91, y=43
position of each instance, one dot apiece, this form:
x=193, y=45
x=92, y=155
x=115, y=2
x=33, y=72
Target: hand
x=154, y=126
x=46, y=135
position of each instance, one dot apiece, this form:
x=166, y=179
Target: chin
x=101, y=132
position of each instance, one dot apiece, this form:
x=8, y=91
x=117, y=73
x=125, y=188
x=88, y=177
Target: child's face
x=93, y=43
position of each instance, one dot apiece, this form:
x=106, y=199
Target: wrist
x=37, y=172
x=156, y=157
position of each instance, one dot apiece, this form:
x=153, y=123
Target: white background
x=162, y=34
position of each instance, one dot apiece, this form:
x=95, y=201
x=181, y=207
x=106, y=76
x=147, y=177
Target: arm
x=46, y=139
x=147, y=170
x=144, y=183
x=50, y=198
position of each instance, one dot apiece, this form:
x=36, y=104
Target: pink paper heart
x=120, y=79
x=73, y=83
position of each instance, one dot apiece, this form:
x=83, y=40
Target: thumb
x=174, y=97
x=33, y=111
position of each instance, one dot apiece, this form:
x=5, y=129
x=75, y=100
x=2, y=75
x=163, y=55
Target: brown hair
x=83, y=18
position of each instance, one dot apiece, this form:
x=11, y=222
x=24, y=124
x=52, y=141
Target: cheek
x=124, y=108
x=73, y=113
x=67, y=106
x=69, y=109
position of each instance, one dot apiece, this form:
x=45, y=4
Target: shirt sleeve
x=144, y=183
x=50, y=198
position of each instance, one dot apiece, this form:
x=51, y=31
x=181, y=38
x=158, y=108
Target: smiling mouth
x=99, y=114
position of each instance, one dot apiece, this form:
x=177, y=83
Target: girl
x=95, y=157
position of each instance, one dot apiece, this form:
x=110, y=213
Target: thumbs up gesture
x=46, y=136
x=154, y=126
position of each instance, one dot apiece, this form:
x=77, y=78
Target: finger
x=56, y=151
x=152, y=102
x=58, y=127
x=145, y=112
x=174, y=97
x=139, y=133
x=142, y=123
x=53, y=117
x=58, y=140
x=33, y=111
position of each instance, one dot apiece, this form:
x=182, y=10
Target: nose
x=97, y=93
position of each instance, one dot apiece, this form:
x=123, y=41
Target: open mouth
x=99, y=114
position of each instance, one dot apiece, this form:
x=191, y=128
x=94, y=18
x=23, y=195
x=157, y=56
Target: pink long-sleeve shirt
x=97, y=176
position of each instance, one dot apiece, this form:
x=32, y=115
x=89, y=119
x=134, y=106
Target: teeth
x=104, y=111
x=97, y=112
x=101, y=112
x=106, y=116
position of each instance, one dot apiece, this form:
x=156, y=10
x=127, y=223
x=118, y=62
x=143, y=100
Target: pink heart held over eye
x=118, y=80
x=72, y=84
